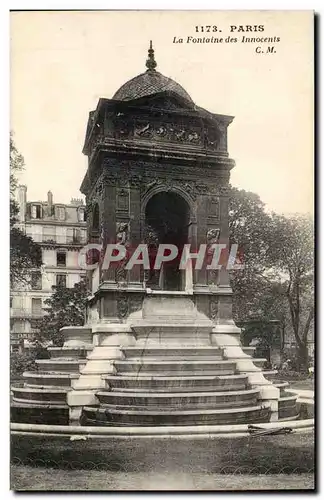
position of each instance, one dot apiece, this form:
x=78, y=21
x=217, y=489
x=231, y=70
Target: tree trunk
x=302, y=357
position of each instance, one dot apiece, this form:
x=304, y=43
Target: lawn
x=41, y=479
x=270, y=462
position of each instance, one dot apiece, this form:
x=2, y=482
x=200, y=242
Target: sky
x=63, y=62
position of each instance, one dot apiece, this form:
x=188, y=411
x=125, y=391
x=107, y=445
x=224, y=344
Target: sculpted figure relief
x=212, y=236
x=122, y=235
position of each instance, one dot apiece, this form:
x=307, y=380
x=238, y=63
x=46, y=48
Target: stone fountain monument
x=159, y=347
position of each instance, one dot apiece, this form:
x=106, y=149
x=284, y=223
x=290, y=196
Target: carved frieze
x=146, y=175
x=170, y=132
x=139, y=170
x=189, y=187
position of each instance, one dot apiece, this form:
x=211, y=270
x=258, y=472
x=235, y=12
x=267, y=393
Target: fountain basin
x=69, y=432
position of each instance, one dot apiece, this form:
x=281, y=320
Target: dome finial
x=151, y=62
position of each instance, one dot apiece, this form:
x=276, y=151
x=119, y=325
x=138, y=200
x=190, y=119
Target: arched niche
x=166, y=220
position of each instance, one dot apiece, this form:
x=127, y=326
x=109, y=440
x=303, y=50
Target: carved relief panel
x=122, y=238
x=122, y=202
x=213, y=207
x=169, y=132
x=213, y=308
x=212, y=238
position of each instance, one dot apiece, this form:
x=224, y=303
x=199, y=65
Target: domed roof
x=150, y=82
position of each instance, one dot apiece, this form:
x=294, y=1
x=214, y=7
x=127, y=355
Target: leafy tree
x=21, y=362
x=277, y=280
x=66, y=307
x=16, y=165
x=25, y=254
x=250, y=228
x=293, y=257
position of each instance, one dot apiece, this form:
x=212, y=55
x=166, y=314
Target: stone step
x=173, y=340
x=287, y=399
x=179, y=352
x=180, y=373
x=173, y=400
x=43, y=379
x=288, y=413
x=145, y=382
x=92, y=416
x=68, y=352
x=287, y=406
x=60, y=365
x=173, y=366
x=39, y=395
x=39, y=413
x=179, y=359
x=45, y=387
x=103, y=352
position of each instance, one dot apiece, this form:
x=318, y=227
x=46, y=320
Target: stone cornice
x=158, y=151
x=163, y=106
x=61, y=223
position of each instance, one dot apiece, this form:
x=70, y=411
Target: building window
x=82, y=215
x=49, y=234
x=76, y=235
x=60, y=213
x=61, y=259
x=18, y=326
x=36, y=280
x=36, y=212
x=61, y=280
x=36, y=307
x=10, y=302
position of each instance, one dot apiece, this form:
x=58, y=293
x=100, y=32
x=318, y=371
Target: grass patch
x=43, y=464
x=25, y=478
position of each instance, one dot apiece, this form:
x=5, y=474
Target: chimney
x=49, y=203
x=22, y=202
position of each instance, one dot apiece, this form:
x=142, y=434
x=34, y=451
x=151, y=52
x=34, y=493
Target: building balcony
x=63, y=240
x=25, y=314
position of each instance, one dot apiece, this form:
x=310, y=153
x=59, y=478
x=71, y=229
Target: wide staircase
x=153, y=385
x=175, y=385
x=170, y=374
x=42, y=397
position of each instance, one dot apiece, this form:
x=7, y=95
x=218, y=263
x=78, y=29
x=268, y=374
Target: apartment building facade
x=60, y=230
